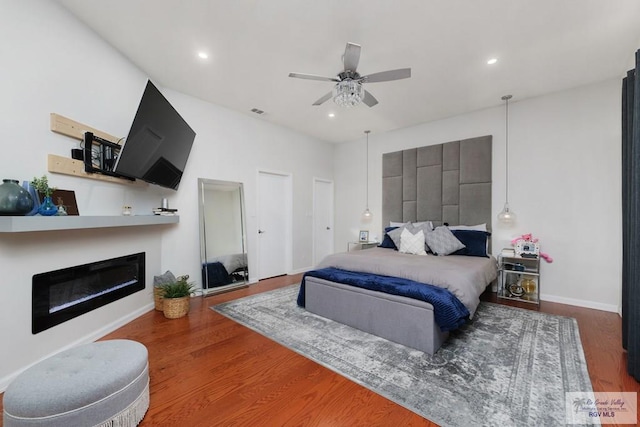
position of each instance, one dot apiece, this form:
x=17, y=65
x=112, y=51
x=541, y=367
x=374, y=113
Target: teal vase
x=14, y=200
x=47, y=208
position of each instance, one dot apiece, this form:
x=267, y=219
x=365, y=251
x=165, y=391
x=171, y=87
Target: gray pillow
x=163, y=279
x=395, y=235
x=442, y=242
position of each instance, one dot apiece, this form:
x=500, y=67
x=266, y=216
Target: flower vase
x=34, y=196
x=14, y=200
x=47, y=208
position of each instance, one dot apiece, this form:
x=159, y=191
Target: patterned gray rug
x=509, y=367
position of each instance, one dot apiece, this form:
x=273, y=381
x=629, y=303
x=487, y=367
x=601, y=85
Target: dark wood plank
x=207, y=370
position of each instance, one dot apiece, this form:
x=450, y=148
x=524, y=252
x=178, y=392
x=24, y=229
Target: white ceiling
x=542, y=46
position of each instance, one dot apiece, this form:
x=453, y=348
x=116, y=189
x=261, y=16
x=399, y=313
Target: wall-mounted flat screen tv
x=159, y=142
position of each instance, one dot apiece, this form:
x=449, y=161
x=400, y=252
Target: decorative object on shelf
x=66, y=199
x=34, y=196
x=506, y=216
x=14, y=200
x=176, y=298
x=527, y=246
x=126, y=210
x=516, y=290
x=61, y=210
x=367, y=216
x=42, y=186
x=364, y=236
x=528, y=284
x=48, y=208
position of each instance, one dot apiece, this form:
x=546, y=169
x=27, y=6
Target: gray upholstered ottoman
x=105, y=383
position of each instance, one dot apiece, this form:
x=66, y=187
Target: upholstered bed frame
x=444, y=183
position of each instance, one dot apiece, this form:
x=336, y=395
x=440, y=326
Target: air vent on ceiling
x=257, y=111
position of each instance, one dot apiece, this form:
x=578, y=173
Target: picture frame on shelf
x=364, y=236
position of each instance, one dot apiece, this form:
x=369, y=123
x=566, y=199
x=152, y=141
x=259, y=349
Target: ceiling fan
x=349, y=90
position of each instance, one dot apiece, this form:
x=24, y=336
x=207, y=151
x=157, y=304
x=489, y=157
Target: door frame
x=287, y=210
x=314, y=224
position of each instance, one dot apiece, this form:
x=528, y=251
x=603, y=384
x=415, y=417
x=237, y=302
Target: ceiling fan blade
x=351, y=57
x=385, y=76
x=313, y=77
x=324, y=99
x=369, y=99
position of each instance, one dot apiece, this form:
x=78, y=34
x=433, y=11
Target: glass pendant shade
x=506, y=216
x=367, y=215
x=348, y=93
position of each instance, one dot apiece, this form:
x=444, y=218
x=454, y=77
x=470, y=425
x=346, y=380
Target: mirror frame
x=205, y=184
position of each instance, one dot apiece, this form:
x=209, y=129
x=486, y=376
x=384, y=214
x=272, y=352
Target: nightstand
x=356, y=246
x=519, y=278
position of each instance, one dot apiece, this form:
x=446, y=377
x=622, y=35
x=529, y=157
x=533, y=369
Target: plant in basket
x=175, y=297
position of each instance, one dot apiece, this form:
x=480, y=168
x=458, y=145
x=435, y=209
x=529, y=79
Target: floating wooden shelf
x=21, y=224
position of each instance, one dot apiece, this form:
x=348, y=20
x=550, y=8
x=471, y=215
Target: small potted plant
x=47, y=208
x=175, y=297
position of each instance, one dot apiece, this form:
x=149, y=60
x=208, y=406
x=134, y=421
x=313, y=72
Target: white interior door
x=274, y=224
x=322, y=219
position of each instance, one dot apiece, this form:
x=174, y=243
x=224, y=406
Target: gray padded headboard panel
x=448, y=182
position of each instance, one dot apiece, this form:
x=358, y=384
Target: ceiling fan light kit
x=348, y=93
x=349, y=90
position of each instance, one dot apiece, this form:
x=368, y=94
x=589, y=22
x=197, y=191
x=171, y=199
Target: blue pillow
x=387, y=242
x=475, y=242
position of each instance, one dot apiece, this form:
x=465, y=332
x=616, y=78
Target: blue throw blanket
x=449, y=312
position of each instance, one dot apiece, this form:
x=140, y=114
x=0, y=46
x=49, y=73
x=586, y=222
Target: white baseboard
x=95, y=335
x=300, y=270
x=580, y=303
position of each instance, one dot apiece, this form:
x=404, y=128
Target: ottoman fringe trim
x=133, y=414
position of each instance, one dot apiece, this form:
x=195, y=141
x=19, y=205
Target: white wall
x=565, y=157
x=234, y=147
x=52, y=63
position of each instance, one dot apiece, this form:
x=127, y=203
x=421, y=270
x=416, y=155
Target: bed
x=224, y=270
x=446, y=185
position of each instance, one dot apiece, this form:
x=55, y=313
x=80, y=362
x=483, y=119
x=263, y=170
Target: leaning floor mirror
x=222, y=236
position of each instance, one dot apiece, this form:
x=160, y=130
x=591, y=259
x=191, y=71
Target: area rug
x=508, y=367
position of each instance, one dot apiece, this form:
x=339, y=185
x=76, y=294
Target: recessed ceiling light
x=492, y=61
x=203, y=55
x=331, y=115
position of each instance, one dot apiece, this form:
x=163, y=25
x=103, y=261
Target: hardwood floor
x=207, y=370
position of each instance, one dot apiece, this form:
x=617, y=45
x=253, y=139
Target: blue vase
x=14, y=200
x=47, y=208
x=34, y=196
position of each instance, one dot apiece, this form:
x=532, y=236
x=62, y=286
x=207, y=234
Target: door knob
x=260, y=231
x=328, y=228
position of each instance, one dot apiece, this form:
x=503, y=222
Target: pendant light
x=506, y=216
x=367, y=215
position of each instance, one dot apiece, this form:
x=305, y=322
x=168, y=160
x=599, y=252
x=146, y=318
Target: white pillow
x=412, y=243
x=479, y=227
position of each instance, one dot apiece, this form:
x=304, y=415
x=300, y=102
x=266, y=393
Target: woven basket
x=157, y=298
x=174, y=308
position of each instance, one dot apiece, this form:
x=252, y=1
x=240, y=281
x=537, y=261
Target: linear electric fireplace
x=61, y=295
